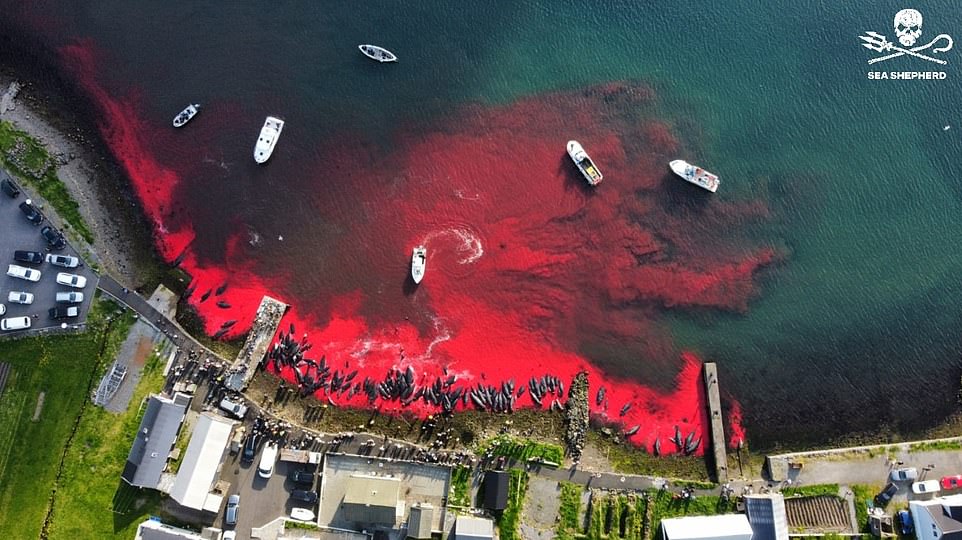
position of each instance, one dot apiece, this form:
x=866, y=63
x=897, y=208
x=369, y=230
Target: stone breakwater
x=576, y=416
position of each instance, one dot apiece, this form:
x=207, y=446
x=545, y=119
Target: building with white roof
x=201, y=463
x=723, y=527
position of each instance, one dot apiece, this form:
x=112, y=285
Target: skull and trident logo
x=908, y=30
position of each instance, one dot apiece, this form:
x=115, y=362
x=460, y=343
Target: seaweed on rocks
x=576, y=416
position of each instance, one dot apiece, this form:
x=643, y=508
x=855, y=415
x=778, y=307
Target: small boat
x=377, y=53
x=267, y=139
x=584, y=163
x=186, y=114
x=696, y=175
x=419, y=260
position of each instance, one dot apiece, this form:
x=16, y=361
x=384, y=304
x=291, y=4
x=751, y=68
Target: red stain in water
x=526, y=264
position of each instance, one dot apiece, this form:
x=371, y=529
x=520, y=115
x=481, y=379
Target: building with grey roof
x=939, y=518
x=155, y=439
x=767, y=517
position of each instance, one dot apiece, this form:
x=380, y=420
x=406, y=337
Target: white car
x=20, y=297
x=302, y=514
x=72, y=280
x=70, y=297
x=928, y=486
x=265, y=469
x=229, y=535
x=235, y=408
x=28, y=274
x=15, y=323
x=65, y=261
x=3, y=309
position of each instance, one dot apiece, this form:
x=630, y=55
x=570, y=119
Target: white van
x=15, y=323
x=265, y=469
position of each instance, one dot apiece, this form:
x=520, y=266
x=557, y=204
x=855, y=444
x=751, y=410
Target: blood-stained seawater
x=530, y=271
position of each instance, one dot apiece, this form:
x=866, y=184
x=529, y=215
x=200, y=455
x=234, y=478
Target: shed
x=722, y=527
x=496, y=490
x=419, y=522
x=371, y=499
x=155, y=439
x=201, y=463
x=473, y=528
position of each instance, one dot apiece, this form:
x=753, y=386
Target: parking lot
x=20, y=234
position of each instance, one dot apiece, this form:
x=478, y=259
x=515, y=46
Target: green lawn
x=524, y=449
x=510, y=519
x=460, y=487
x=569, y=510
x=666, y=506
x=93, y=502
x=62, y=367
x=34, y=166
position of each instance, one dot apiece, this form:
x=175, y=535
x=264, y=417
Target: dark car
x=302, y=495
x=301, y=476
x=905, y=523
x=33, y=215
x=64, y=312
x=9, y=187
x=886, y=495
x=53, y=237
x=32, y=257
x=250, y=449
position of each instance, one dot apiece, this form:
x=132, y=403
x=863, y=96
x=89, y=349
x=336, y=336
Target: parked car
x=952, y=482
x=236, y=408
x=302, y=514
x=30, y=211
x=230, y=514
x=63, y=312
x=229, y=535
x=265, y=469
x=15, y=323
x=53, y=237
x=71, y=280
x=906, y=526
x=20, y=297
x=886, y=494
x=250, y=448
x=3, y=309
x=904, y=474
x=928, y=486
x=20, y=272
x=301, y=476
x=303, y=495
x=9, y=186
x=65, y=261
x=70, y=297
x=30, y=257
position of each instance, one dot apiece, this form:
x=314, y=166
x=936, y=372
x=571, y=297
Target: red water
x=528, y=267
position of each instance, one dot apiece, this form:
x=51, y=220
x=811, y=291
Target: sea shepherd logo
x=908, y=31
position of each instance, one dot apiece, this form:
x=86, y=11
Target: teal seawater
x=858, y=330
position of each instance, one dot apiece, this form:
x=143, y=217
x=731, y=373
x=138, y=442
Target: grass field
x=92, y=501
x=61, y=367
x=510, y=518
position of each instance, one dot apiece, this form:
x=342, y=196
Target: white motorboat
x=696, y=175
x=419, y=261
x=186, y=114
x=377, y=53
x=267, y=139
x=584, y=163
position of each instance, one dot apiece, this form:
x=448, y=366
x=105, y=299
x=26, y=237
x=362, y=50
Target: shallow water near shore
x=821, y=277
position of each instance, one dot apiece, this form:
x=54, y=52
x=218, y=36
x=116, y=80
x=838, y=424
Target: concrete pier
x=261, y=335
x=717, y=424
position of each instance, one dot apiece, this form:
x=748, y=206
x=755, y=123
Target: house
x=496, y=490
x=722, y=527
x=938, y=519
x=201, y=463
x=372, y=499
x=473, y=528
x=155, y=439
x=153, y=529
x=767, y=517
